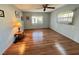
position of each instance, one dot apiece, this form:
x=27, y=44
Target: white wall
x=70, y=31
x=46, y=19
x=6, y=27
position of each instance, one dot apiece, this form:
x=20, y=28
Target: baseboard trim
x=36, y=28
x=64, y=36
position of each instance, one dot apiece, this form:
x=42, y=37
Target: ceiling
x=37, y=7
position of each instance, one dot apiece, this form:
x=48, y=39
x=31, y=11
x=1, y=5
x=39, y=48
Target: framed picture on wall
x=27, y=17
x=17, y=14
x=1, y=13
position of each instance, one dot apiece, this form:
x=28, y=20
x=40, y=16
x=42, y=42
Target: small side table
x=18, y=36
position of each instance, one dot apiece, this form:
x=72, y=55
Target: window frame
x=37, y=21
x=65, y=17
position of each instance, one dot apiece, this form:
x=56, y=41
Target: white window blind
x=37, y=20
x=65, y=17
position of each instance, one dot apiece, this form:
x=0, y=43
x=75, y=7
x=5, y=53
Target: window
x=37, y=20
x=65, y=17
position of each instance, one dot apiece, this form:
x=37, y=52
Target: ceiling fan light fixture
x=44, y=9
x=46, y=6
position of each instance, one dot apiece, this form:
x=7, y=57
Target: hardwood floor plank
x=43, y=42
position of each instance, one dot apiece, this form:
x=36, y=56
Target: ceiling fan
x=45, y=6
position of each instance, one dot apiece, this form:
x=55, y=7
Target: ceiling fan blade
x=45, y=5
x=51, y=7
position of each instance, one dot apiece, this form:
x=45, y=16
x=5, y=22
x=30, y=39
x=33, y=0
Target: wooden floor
x=43, y=42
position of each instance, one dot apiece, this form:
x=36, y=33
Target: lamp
x=18, y=24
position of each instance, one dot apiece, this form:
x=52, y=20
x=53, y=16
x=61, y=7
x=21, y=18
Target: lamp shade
x=17, y=24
